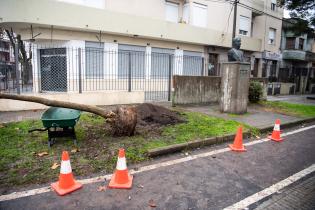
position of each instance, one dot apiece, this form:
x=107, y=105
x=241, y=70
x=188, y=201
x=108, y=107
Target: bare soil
x=151, y=118
x=154, y=114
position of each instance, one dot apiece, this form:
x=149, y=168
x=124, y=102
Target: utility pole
x=235, y=17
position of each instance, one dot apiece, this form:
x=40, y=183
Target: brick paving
x=299, y=196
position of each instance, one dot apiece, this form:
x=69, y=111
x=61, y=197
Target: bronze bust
x=235, y=54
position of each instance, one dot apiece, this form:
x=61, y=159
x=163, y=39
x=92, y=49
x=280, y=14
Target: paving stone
x=299, y=196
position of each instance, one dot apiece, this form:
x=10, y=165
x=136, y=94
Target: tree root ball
x=124, y=122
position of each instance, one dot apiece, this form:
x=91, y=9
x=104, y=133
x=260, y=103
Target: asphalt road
x=212, y=182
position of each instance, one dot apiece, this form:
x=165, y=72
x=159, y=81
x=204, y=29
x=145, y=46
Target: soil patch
x=149, y=114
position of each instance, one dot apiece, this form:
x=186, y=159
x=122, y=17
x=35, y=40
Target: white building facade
x=137, y=45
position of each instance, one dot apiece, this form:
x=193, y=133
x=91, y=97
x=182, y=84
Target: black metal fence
x=65, y=69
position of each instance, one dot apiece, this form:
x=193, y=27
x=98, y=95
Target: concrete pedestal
x=234, y=87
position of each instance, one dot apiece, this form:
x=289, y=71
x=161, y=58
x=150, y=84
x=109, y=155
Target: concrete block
x=234, y=87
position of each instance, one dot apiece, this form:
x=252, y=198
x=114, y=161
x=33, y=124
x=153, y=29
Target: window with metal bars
x=290, y=43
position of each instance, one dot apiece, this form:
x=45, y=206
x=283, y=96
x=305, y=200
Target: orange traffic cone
x=275, y=136
x=66, y=183
x=121, y=178
x=238, y=141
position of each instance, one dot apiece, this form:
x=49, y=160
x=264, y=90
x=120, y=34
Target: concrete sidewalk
x=256, y=116
x=6, y=117
x=297, y=99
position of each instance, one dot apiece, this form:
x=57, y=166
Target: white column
x=111, y=60
x=72, y=64
x=35, y=67
x=148, y=62
x=178, y=62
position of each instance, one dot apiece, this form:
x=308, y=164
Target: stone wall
x=196, y=89
x=202, y=89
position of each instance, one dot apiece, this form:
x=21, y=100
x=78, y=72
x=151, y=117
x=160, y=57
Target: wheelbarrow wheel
x=74, y=136
x=50, y=142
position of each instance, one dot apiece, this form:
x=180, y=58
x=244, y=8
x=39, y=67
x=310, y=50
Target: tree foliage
x=303, y=11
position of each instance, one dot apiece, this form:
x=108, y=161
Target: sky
x=286, y=13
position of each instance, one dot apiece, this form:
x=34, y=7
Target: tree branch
x=88, y=108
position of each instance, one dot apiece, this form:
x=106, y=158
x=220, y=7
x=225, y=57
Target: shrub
x=255, y=91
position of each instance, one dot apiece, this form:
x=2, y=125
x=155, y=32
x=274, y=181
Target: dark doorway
x=213, y=68
x=297, y=77
x=53, y=69
x=255, y=70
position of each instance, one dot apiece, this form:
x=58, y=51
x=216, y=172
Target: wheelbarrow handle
x=38, y=129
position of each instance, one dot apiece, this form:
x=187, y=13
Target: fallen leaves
x=41, y=154
x=101, y=188
x=152, y=203
x=75, y=150
x=54, y=166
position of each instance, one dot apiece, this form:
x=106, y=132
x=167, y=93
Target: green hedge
x=255, y=91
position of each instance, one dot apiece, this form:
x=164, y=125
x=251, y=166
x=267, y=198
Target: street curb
x=288, y=124
x=192, y=144
x=216, y=140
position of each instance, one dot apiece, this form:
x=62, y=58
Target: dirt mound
x=154, y=114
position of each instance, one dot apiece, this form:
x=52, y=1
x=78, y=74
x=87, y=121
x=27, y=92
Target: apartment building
x=151, y=40
x=298, y=58
x=6, y=61
x=4, y=51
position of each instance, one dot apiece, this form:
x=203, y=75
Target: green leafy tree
x=303, y=12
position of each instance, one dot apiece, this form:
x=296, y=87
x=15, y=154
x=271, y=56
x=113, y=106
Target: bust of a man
x=235, y=54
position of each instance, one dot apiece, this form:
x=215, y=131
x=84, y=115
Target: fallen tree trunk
x=123, y=120
x=48, y=102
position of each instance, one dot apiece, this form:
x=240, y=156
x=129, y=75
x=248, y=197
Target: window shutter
x=272, y=33
x=94, y=59
x=192, y=63
x=186, y=13
x=244, y=23
x=200, y=15
x=171, y=12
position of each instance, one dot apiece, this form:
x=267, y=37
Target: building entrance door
x=53, y=69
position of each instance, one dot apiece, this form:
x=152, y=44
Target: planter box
x=281, y=88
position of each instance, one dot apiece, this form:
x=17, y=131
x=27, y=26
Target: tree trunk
x=123, y=120
x=26, y=72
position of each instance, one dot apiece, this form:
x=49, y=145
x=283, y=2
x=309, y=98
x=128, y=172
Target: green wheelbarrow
x=59, y=122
